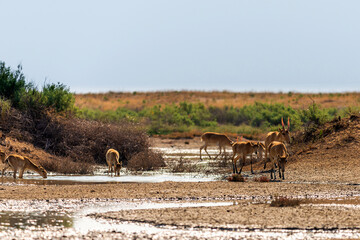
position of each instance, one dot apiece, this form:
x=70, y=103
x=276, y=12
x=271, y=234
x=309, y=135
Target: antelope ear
x=280, y=130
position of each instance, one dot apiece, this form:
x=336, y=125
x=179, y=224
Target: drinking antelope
x=283, y=135
x=211, y=138
x=17, y=162
x=112, y=159
x=278, y=154
x=243, y=149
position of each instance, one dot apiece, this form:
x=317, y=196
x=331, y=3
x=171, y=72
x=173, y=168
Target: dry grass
x=145, y=161
x=236, y=178
x=262, y=179
x=182, y=166
x=285, y=202
x=139, y=100
x=50, y=162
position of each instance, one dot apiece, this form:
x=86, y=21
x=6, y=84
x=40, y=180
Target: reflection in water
x=23, y=220
x=99, y=179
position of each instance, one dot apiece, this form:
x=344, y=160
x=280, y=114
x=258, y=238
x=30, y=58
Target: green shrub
x=314, y=115
x=12, y=84
x=5, y=107
x=259, y=115
x=58, y=97
x=25, y=96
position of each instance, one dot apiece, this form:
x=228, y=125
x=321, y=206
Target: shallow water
x=23, y=220
x=70, y=218
x=104, y=178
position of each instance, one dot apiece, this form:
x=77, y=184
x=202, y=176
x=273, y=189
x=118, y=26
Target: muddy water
x=73, y=219
x=24, y=220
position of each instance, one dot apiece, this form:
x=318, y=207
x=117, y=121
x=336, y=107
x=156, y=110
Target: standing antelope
x=211, y=138
x=243, y=149
x=278, y=154
x=112, y=159
x=283, y=135
x=17, y=162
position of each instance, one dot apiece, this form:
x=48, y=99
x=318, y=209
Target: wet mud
x=167, y=205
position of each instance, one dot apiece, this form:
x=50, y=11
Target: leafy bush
x=27, y=97
x=178, y=118
x=110, y=116
x=12, y=84
x=260, y=115
x=313, y=114
x=58, y=97
x=5, y=107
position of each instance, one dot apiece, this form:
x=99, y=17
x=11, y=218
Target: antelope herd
x=274, y=147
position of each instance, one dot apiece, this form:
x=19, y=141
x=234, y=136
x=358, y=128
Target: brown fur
x=278, y=154
x=283, y=135
x=2, y=156
x=217, y=139
x=17, y=162
x=243, y=149
x=112, y=159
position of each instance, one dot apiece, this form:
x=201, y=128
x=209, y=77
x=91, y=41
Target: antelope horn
x=282, y=123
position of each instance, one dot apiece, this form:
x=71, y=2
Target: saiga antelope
x=17, y=162
x=283, y=135
x=278, y=154
x=243, y=149
x=211, y=138
x=112, y=159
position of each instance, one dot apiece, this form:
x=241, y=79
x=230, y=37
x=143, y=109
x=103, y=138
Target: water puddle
x=23, y=220
x=91, y=179
x=73, y=218
x=84, y=222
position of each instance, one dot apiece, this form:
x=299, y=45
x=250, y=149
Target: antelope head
x=285, y=133
x=118, y=168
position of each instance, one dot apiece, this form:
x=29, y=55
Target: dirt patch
x=245, y=215
x=179, y=191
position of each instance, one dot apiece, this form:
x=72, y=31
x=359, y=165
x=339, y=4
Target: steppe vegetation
x=46, y=120
x=189, y=114
x=78, y=129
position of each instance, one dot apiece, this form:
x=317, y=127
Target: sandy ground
x=324, y=175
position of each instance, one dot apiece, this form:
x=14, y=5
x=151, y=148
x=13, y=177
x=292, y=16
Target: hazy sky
x=133, y=45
